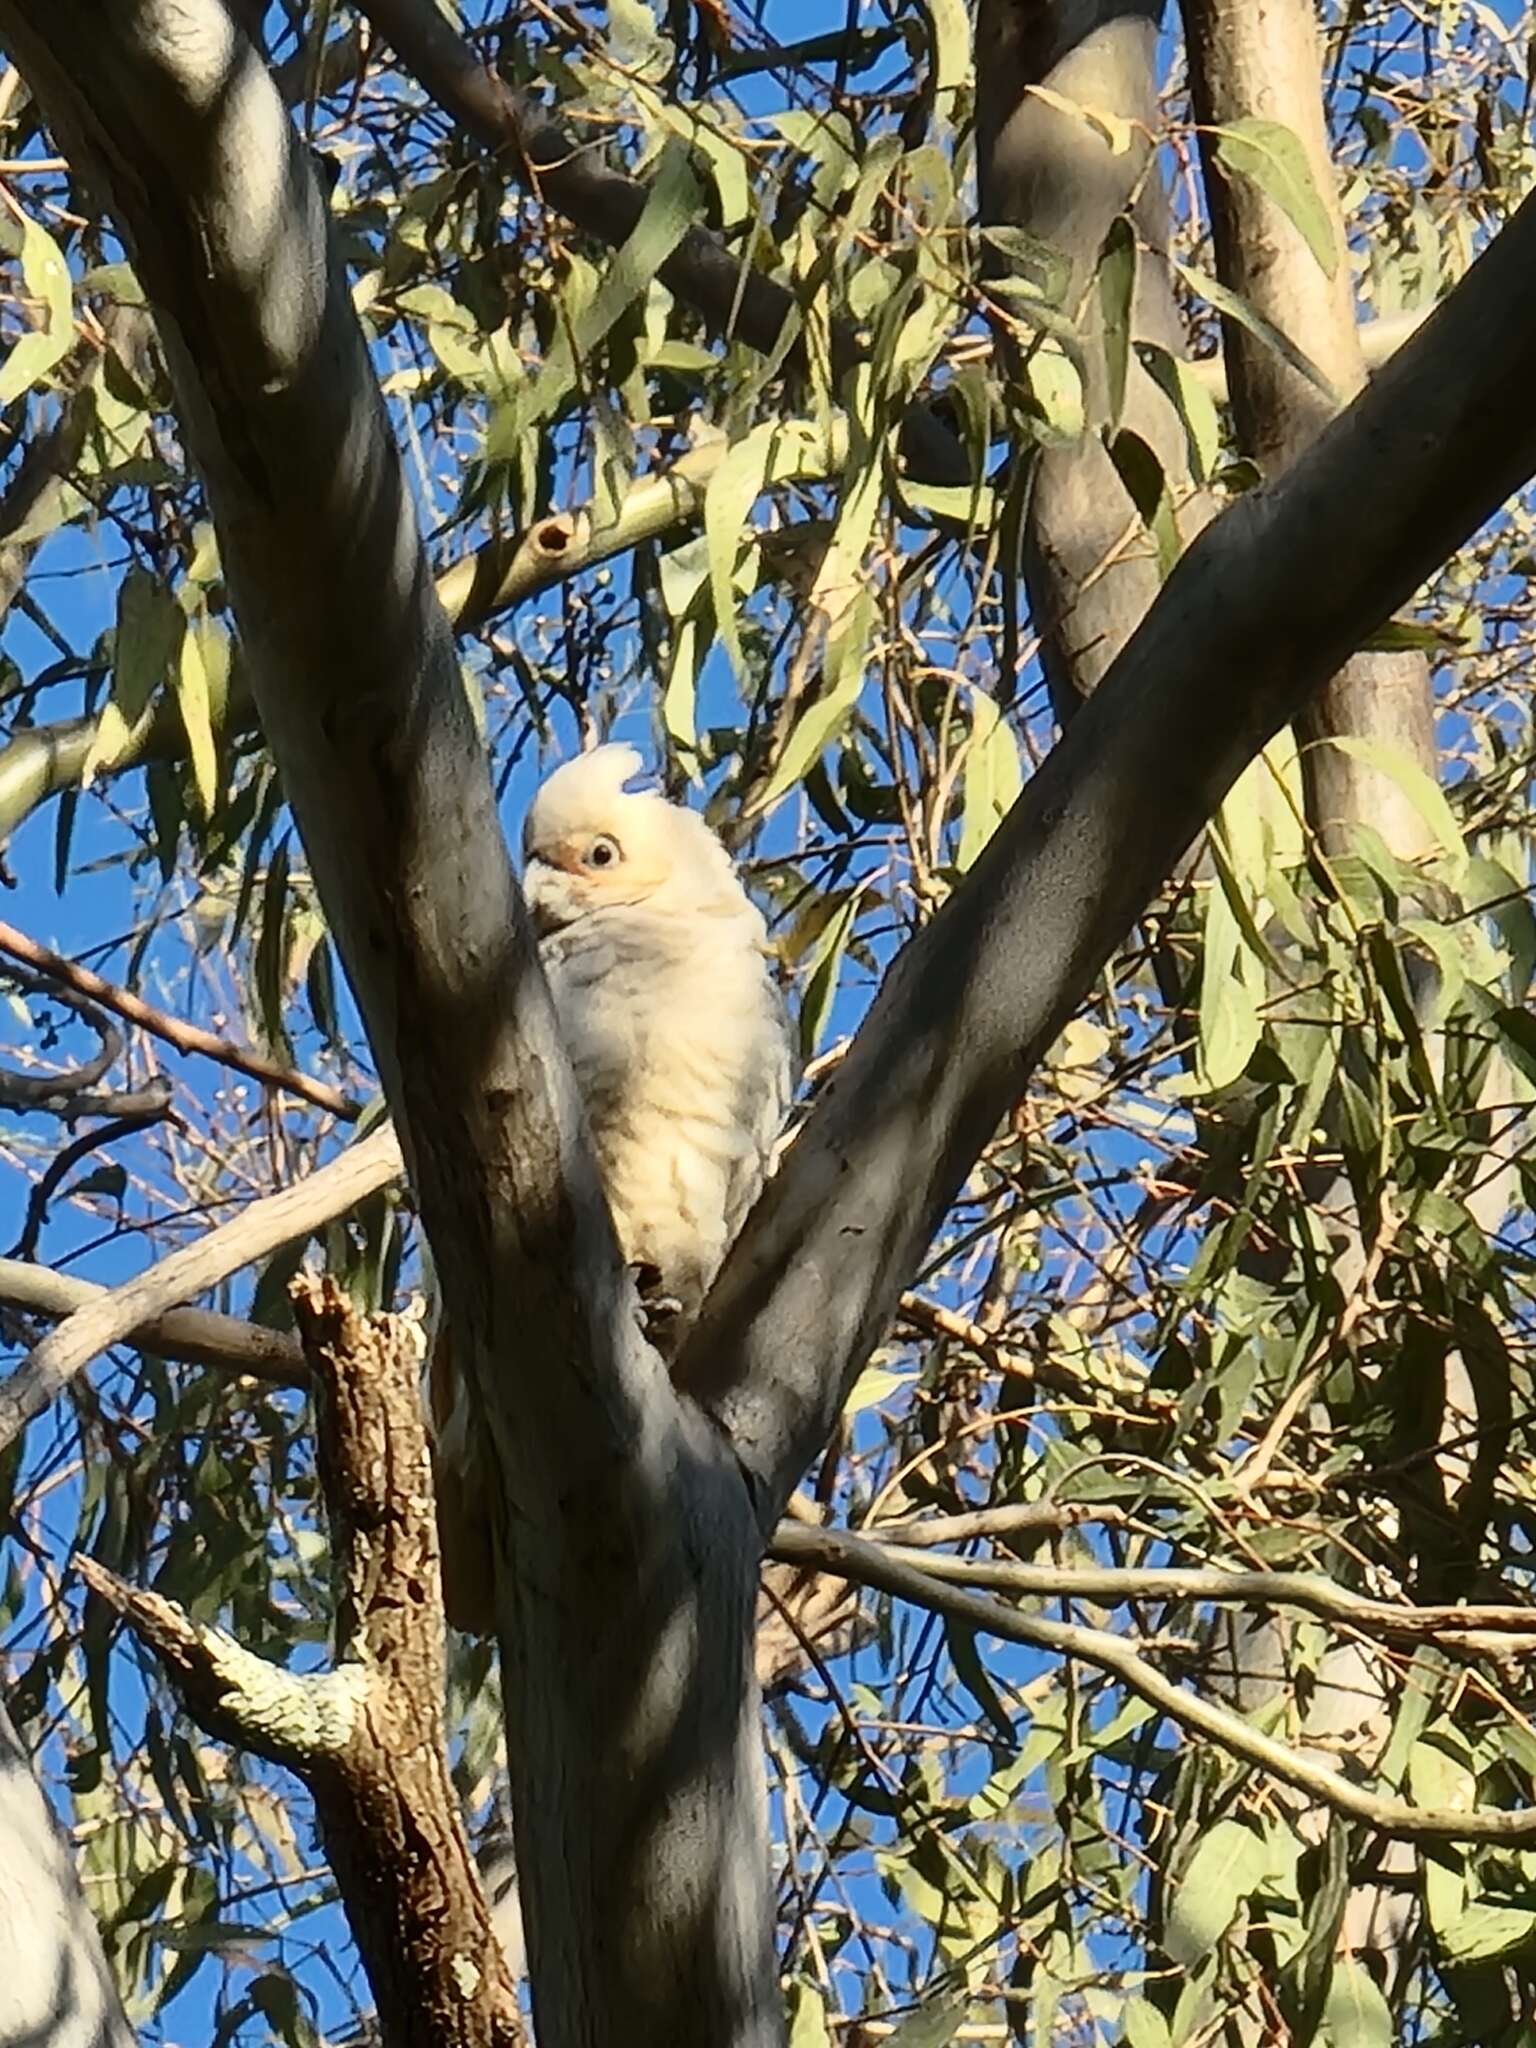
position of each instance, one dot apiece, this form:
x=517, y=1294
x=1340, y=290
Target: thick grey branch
x=1265, y=606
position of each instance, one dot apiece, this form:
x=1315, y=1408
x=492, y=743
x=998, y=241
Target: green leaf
x=1234, y=307
x=973, y=1674
x=1356, y=2015
x=993, y=779
x=1420, y=788
x=876, y=1383
x=826, y=957
x=933, y=2027
x=1439, y=1777
x=1483, y=1932
x=842, y=679
x=672, y=205
x=1194, y=405
x=195, y=688
x=1117, y=297
x=1229, y=1864
x=808, y=2018
x=271, y=950
x=45, y=275
x=145, y=644
x=732, y=491
x=1142, y=473
x=1143, y=2026
x=1271, y=156
x=950, y=26
x=1229, y=1016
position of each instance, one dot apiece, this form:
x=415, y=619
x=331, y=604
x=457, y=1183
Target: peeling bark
x=366, y=1737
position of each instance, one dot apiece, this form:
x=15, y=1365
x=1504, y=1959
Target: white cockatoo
x=658, y=962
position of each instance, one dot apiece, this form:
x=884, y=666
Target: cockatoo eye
x=603, y=852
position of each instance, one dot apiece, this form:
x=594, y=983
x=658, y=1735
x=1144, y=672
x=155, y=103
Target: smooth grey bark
x=630, y=1552
x=1247, y=61
x=56, y=1989
x=1264, y=607
x=1089, y=565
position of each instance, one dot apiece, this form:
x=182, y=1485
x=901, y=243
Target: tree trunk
x=628, y=1545
x=1260, y=58
x=1090, y=565
x=56, y=1989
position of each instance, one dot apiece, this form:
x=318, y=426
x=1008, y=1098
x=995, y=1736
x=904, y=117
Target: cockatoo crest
x=592, y=845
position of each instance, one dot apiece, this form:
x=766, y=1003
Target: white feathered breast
x=681, y=1049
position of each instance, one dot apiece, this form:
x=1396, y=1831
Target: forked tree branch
x=82, y=982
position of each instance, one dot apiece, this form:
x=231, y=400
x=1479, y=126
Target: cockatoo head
x=591, y=844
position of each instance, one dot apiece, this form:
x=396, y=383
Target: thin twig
x=1017, y=1518
x=90, y=1141
x=185, y=1037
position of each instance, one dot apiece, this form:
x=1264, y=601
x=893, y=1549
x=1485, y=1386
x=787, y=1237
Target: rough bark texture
x=630, y=1549
x=367, y=1737
x=56, y=1990
x=1261, y=58
x=1089, y=564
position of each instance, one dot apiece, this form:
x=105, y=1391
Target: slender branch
x=1017, y=1518
x=195, y=1336
x=83, y=982
x=565, y=543
x=260, y=1229
x=50, y=1091
x=1506, y=1627
x=733, y=298
x=868, y=1564
x=46, y=760
x=64, y=1162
